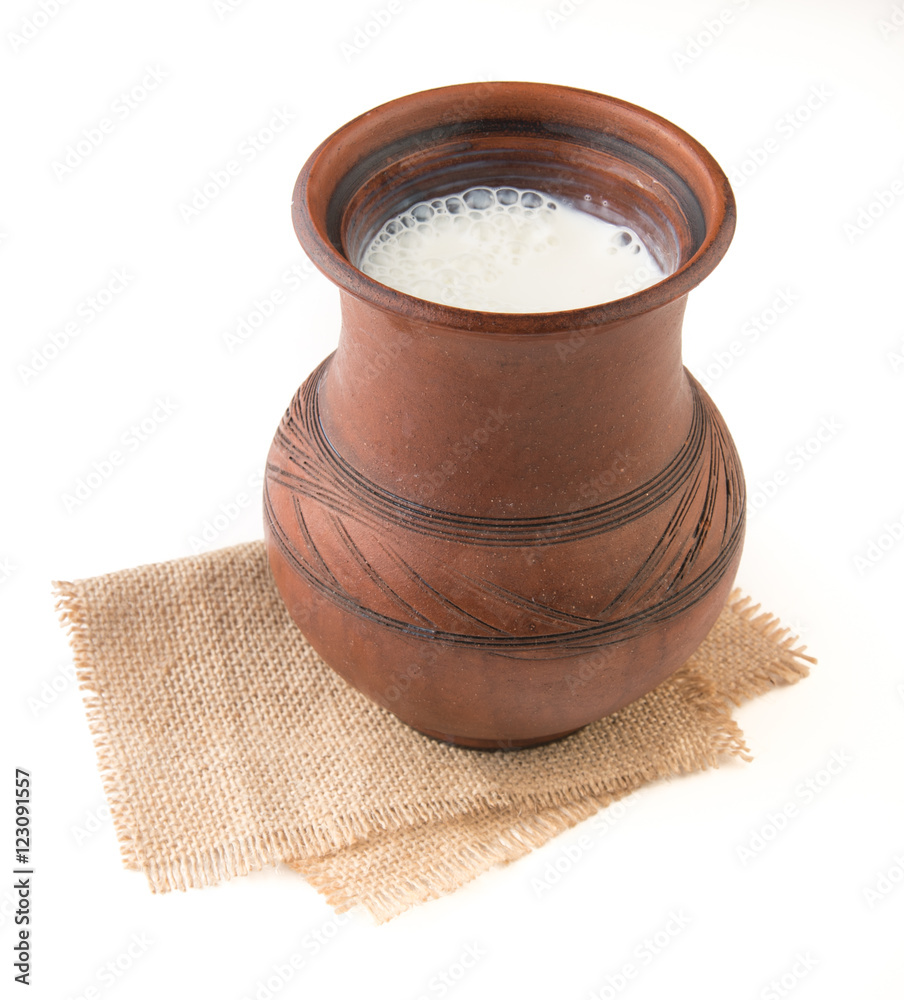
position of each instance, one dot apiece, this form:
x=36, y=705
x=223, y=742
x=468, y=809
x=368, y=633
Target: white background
x=835, y=360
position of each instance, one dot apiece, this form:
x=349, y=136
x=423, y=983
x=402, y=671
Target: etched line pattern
x=355, y=561
x=320, y=473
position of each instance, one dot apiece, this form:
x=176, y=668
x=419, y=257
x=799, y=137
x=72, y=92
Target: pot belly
x=495, y=632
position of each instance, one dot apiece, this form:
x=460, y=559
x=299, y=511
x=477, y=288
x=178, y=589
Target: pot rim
x=309, y=218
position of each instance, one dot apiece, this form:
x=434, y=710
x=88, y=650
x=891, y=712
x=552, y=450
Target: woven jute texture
x=225, y=744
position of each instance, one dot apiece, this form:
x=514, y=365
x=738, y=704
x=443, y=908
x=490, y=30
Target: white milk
x=508, y=250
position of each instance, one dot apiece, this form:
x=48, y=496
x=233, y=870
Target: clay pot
x=504, y=526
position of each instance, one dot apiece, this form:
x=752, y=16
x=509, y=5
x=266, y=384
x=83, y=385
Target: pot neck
x=534, y=425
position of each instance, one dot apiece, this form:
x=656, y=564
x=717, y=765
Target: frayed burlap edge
x=503, y=836
x=334, y=875
x=511, y=841
x=71, y=611
x=758, y=678
x=508, y=838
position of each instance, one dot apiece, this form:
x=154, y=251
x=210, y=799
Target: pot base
x=471, y=743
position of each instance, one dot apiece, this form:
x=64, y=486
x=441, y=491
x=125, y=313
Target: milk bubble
x=508, y=250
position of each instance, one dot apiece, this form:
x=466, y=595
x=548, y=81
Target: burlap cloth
x=225, y=744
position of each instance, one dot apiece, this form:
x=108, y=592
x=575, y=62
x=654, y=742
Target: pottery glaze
x=504, y=526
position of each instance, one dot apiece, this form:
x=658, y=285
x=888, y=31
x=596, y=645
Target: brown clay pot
x=504, y=526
